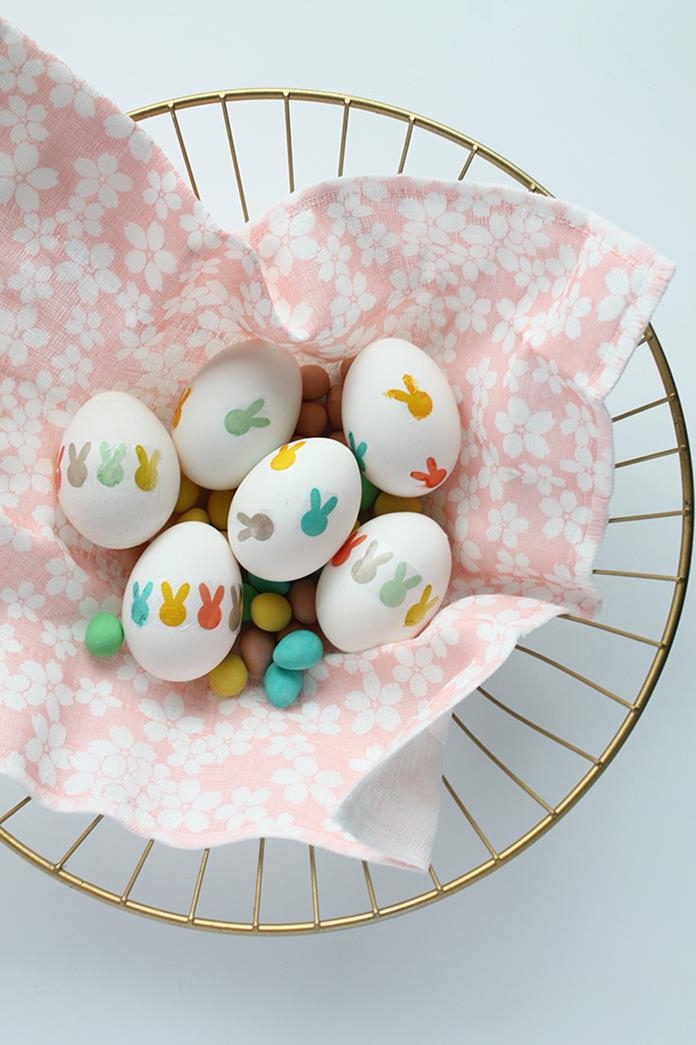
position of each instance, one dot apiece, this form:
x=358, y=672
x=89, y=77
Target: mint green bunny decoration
x=238, y=422
x=110, y=471
x=393, y=592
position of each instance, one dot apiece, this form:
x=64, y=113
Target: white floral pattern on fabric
x=113, y=275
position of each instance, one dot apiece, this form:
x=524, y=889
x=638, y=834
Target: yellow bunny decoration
x=285, y=458
x=172, y=611
x=146, y=472
x=418, y=402
x=415, y=613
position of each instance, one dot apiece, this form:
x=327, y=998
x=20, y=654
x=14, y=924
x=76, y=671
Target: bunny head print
x=385, y=583
x=242, y=404
x=182, y=607
x=401, y=418
x=117, y=471
x=295, y=509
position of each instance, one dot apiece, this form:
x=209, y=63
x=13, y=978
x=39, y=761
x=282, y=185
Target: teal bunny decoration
x=393, y=592
x=110, y=471
x=238, y=422
x=140, y=610
x=315, y=521
x=359, y=449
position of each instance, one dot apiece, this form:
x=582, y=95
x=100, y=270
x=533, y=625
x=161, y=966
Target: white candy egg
x=182, y=606
x=117, y=471
x=294, y=509
x=243, y=403
x=386, y=582
x=401, y=418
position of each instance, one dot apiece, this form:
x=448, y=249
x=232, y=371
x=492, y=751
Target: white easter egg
x=182, y=606
x=401, y=418
x=294, y=509
x=117, y=471
x=386, y=582
x=243, y=403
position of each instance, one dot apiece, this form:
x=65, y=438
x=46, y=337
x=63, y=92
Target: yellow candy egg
x=386, y=503
x=188, y=495
x=194, y=515
x=219, y=507
x=271, y=612
x=230, y=676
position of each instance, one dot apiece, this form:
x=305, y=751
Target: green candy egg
x=104, y=635
x=369, y=493
x=278, y=587
x=250, y=594
x=298, y=650
x=282, y=686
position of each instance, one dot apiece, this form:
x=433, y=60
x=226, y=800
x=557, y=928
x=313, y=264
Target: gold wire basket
x=565, y=705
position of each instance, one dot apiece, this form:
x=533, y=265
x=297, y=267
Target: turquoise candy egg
x=282, y=686
x=298, y=650
x=278, y=587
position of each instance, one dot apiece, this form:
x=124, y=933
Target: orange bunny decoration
x=210, y=614
x=433, y=476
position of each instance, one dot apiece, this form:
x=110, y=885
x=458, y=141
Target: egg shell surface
x=182, y=606
x=401, y=418
x=386, y=583
x=117, y=472
x=243, y=403
x=294, y=509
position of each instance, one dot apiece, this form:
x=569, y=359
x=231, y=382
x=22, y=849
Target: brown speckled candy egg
x=315, y=381
x=256, y=650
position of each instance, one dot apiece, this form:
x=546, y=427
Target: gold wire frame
x=372, y=910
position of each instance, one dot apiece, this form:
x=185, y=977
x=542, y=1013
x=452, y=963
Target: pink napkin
x=112, y=275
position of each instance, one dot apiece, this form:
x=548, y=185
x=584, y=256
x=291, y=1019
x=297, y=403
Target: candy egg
x=301, y=649
x=242, y=404
x=118, y=474
x=386, y=582
x=294, y=509
x=182, y=606
x=401, y=418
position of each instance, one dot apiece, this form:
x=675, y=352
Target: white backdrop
x=588, y=934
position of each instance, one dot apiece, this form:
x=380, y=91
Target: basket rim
x=663, y=647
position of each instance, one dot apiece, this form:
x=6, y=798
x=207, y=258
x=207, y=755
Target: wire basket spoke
x=184, y=151
x=344, y=137
x=233, y=156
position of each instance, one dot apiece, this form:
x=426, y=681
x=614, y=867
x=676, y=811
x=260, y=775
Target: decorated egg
x=401, y=418
x=182, y=606
x=385, y=583
x=244, y=403
x=117, y=471
x=295, y=509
